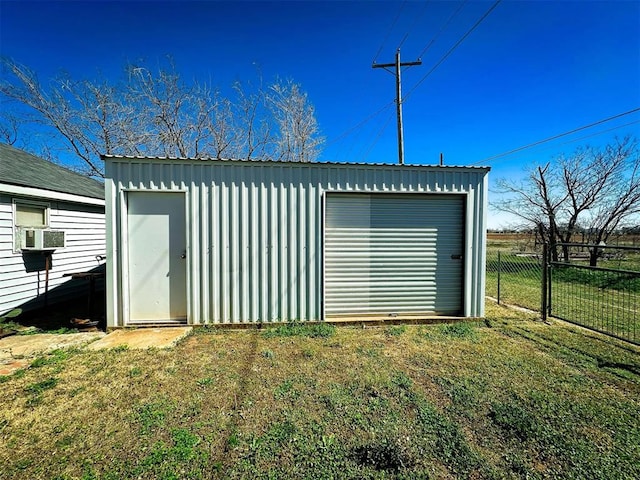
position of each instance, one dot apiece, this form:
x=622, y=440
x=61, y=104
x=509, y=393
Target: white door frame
x=124, y=253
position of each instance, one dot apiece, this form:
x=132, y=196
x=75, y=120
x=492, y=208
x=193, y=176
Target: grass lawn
x=520, y=279
x=507, y=398
x=516, y=289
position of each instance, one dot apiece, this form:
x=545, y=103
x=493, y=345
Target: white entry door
x=156, y=231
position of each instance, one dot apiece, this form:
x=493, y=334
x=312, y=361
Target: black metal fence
x=597, y=287
x=604, y=297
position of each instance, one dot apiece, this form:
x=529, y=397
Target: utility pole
x=397, y=66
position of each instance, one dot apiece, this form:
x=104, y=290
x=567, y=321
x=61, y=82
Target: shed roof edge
x=126, y=158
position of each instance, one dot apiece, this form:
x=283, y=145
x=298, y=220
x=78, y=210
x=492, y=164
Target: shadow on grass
x=58, y=317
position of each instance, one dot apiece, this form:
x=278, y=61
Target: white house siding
x=84, y=228
x=255, y=230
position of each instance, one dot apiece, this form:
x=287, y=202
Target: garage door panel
x=392, y=254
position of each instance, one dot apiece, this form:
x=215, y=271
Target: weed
x=514, y=419
x=268, y=354
x=450, y=444
x=23, y=464
x=301, y=329
x=76, y=391
x=462, y=392
x=184, y=443
x=40, y=387
x=385, y=454
x=29, y=331
x=6, y=322
x=465, y=330
x=63, y=330
x=286, y=390
x=15, y=375
x=135, y=372
x=120, y=348
x=282, y=432
x=54, y=357
x=65, y=441
x=368, y=352
x=395, y=330
x=157, y=455
x=401, y=380
x=204, y=382
x=151, y=416
x=233, y=441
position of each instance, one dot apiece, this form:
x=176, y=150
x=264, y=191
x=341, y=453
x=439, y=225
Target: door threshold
x=157, y=323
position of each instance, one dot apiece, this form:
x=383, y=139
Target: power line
x=360, y=124
x=378, y=112
x=462, y=4
x=457, y=44
x=530, y=145
x=601, y=132
x=413, y=24
x=393, y=24
x=375, y=140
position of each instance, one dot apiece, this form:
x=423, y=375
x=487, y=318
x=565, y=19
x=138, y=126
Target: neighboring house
x=202, y=241
x=51, y=223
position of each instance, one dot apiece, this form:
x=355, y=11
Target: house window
x=31, y=215
x=27, y=217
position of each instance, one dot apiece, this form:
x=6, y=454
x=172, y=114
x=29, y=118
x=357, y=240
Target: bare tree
x=158, y=114
x=9, y=125
x=619, y=202
x=596, y=190
x=537, y=200
x=253, y=129
x=221, y=124
x=296, y=121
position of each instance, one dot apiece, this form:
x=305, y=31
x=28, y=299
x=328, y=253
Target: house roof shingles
x=18, y=167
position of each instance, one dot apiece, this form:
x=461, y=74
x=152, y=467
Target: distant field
x=518, y=239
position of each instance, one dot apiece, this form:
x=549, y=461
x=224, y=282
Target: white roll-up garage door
x=389, y=254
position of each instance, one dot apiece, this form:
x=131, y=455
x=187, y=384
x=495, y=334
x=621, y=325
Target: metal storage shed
x=203, y=241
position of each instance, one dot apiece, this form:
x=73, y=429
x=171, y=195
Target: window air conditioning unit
x=38, y=239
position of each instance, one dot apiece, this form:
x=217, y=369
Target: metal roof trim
x=324, y=162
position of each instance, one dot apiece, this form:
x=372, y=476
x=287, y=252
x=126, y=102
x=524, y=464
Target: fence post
x=543, y=293
x=499, y=268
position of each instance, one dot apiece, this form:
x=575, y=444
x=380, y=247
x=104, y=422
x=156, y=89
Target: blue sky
x=530, y=70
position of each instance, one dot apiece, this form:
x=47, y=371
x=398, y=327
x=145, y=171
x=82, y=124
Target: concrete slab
x=17, y=351
x=142, y=338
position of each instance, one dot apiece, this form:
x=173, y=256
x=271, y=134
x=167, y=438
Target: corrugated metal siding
x=256, y=229
x=392, y=254
x=85, y=238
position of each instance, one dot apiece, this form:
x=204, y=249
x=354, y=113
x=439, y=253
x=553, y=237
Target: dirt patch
x=17, y=351
x=142, y=338
x=13, y=365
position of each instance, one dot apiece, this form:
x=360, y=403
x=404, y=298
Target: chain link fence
x=515, y=277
